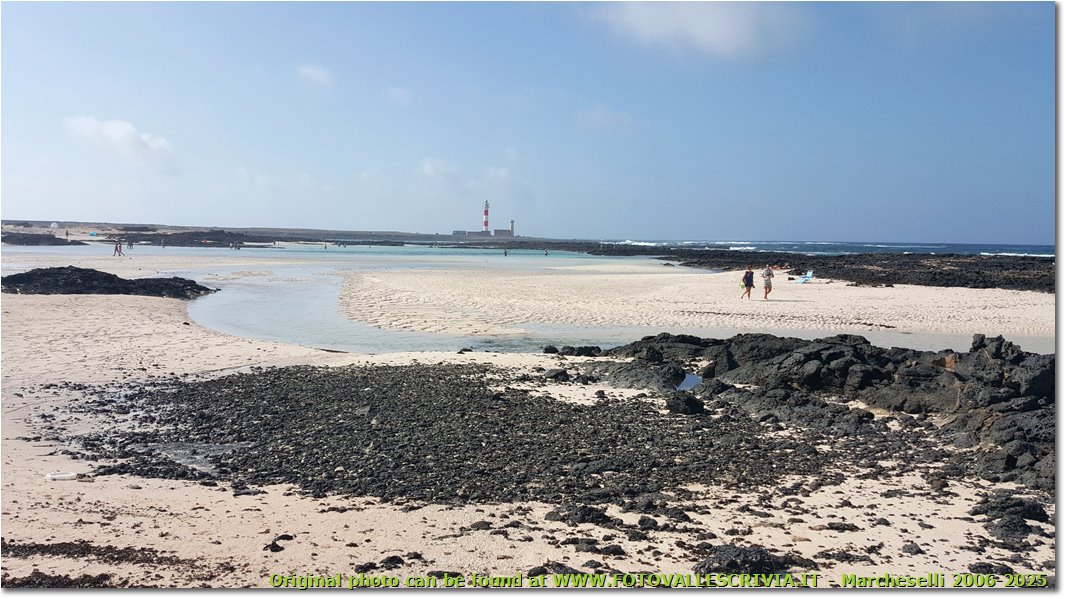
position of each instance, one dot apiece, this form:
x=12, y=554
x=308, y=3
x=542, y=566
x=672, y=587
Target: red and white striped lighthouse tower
x=485, y=224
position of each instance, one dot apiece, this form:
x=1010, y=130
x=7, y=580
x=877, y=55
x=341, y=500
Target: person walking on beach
x=118, y=248
x=749, y=282
x=767, y=281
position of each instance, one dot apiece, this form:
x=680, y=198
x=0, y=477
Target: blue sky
x=749, y=121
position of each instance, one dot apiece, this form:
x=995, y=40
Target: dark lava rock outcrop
x=684, y=403
x=209, y=238
x=637, y=374
x=731, y=559
x=1007, y=515
x=1025, y=273
x=994, y=399
x=36, y=239
x=74, y=280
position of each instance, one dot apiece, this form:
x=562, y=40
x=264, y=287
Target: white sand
x=104, y=339
x=468, y=302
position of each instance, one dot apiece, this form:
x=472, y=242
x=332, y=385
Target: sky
x=882, y=121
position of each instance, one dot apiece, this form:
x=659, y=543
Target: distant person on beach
x=118, y=248
x=505, y=252
x=130, y=246
x=767, y=281
x=545, y=252
x=749, y=282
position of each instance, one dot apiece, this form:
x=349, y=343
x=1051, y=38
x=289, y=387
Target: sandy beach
x=372, y=295
x=187, y=534
x=650, y=295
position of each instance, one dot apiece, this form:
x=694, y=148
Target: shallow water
x=300, y=303
x=691, y=380
x=292, y=296
x=300, y=307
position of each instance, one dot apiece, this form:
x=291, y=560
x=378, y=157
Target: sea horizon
x=851, y=247
x=800, y=246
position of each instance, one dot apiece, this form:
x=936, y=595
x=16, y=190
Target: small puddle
x=691, y=380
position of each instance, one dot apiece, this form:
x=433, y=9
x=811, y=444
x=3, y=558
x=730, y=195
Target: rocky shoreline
x=768, y=409
x=14, y=238
x=362, y=430
x=1023, y=273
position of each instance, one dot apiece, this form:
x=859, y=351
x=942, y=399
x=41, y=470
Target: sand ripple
x=485, y=302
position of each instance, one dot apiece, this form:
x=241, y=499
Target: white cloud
x=120, y=135
x=605, y=117
x=511, y=153
x=728, y=30
x=400, y=96
x=315, y=73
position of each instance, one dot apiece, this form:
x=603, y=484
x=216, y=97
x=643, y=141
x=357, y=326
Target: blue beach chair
x=806, y=278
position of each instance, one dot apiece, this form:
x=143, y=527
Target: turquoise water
x=291, y=295
x=300, y=303
x=370, y=256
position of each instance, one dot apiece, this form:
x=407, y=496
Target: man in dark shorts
x=767, y=281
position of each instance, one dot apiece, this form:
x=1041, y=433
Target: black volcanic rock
x=684, y=403
x=209, y=238
x=1003, y=504
x=432, y=433
x=584, y=350
x=1009, y=528
x=1025, y=273
x=557, y=374
x=73, y=280
x=731, y=559
x=41, y=580
x=637, y=374
x=36, y=239
x=447, y=433
x=671, y=348
x=995, y=396
x=579, y=514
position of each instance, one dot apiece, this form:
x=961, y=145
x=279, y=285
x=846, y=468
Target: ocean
x=836, y=248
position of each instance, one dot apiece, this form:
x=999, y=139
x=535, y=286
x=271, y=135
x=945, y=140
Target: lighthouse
x=485, y=223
